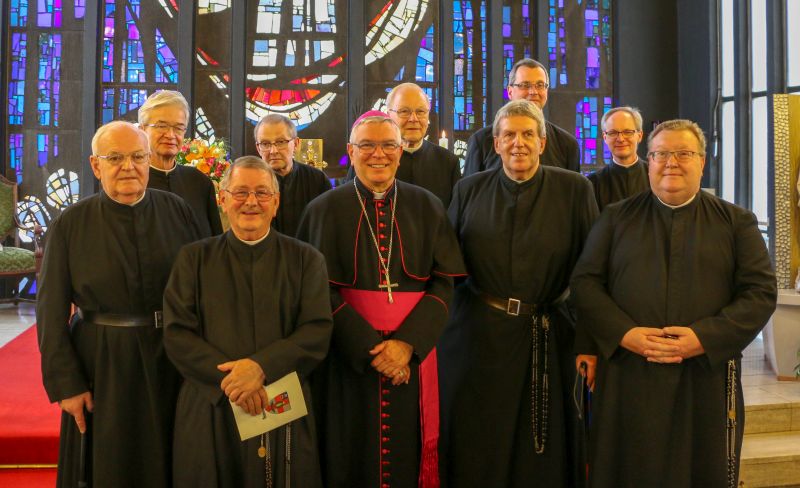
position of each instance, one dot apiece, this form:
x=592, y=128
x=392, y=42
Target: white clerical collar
x=253, y=243
x=132, y=204
x=165, y=171
x=687, y=202
x=378, y=195
x=622, y=165
x=412, y=150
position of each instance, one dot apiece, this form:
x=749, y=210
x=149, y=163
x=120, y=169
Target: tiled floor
x=759, y=383
x=14, y=320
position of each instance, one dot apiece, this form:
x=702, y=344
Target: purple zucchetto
x=370, y=113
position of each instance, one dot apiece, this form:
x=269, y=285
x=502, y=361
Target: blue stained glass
x=49, y=13
x=425, y=56
x=18, y=13
x=49, y=85
x=16, y=82
x=400, y=74
x=42, y=143
x=108, y=105
x=167, y=66
x=80, y=8
x=15, y=153
x=108, y=42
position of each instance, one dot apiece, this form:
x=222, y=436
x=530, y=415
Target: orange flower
x=204, y=167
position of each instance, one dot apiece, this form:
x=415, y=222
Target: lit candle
x=443, y=141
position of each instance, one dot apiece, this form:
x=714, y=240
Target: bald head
x=409, y=106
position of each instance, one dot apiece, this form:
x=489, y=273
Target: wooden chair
x=16, y=262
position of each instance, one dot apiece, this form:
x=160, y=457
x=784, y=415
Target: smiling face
x=249, y=219
x=165, y=143
x=125, y=182
x=519, y=146
x=622, y=147
x=673, y=181
x=533, y=76
x=414, y=127
x=375, y=169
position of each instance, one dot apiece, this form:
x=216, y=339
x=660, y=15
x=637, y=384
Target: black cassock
x=519, y=240
x=303, y=184
x=615, y=182
x=370, y=430
x=107, y=257
x=196, y=190
x=560, y=151
x=227, y=300
x=703, y=266
x=432, y=167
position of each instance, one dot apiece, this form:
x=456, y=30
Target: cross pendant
x=389, y=285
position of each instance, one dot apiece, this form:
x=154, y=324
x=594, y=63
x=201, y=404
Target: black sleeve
x=474, y=159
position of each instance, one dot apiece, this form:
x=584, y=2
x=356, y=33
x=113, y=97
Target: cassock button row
x=381, y=224
x=383, y=248
x=384, y=404
x=385, y=439
x=385, y=452
x=382, y=213
x=386, y=463
x=380, y=204
x=386, y=392
x=382, y=236
x=385, y=485
x=385, y=415
x=385, y=428
x=386, y=475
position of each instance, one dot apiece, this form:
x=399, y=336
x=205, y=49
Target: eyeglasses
x=511, y=137
x=682, y=156
x=278, y=145
x=370, y=147
x=405, y=113
x=115, y=159
x=162, y=127
x=613, y=134
x=262, y=196
x=539, y=86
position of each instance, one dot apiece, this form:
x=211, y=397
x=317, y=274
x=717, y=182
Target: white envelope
x=286, y=404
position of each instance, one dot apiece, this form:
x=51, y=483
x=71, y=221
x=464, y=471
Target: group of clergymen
x=440, y=325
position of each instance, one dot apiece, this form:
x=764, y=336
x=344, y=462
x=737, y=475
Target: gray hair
x=406, y=86
x=528, y=63
x=678, y=125
x=250, y=162
x=162, y=98
x=103, y=129
x=276, y=119
x=374, y=119
x=522, y=108
x=633, y=111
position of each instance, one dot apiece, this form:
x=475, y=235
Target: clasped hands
x=670, y=344
x=244, y=385
x=391, y=360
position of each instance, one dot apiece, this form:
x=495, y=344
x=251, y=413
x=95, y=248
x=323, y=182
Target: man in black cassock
x=164, y=117
x=507, y=364
x=672, y=285
x=527, y=80
x=391, y=256
x=627, y=174
x=423, y=163
x=110, y=255
x=243, y=310
x=276, y=139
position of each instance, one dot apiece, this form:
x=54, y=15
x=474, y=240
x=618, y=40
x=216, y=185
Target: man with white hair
x=627, y=174
x=422, y=163
x=391, y=257
x=164, y=117
x=110, y=255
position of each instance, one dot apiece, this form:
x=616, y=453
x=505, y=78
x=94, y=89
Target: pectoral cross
x=389, y=285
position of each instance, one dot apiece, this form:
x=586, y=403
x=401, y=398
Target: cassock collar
x=113, y=204
x=687, y=204
x=258, y=248
x=615, y=165
x=367, y=194
x=414, y=150
x=165, y=171
x=513, y=186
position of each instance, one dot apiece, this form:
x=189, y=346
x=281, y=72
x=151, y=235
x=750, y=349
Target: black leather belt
x=515, y=307
x=123, y=320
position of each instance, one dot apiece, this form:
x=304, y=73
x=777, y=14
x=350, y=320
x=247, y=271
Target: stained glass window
x=413, y=50
x=304, y=79
x=469, y=63
x=212, y=65
x=62, y=189
x=556, y=43
x=588, y=132
x=519, y=39
x=138, y=54
x=31, y=211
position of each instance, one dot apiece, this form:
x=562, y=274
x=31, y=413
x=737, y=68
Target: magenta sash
x=374, y=306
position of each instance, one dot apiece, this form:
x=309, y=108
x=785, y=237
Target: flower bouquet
x=210, y=159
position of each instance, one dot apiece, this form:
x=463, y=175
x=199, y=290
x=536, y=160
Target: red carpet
x=29, y=423
x=28, y=478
